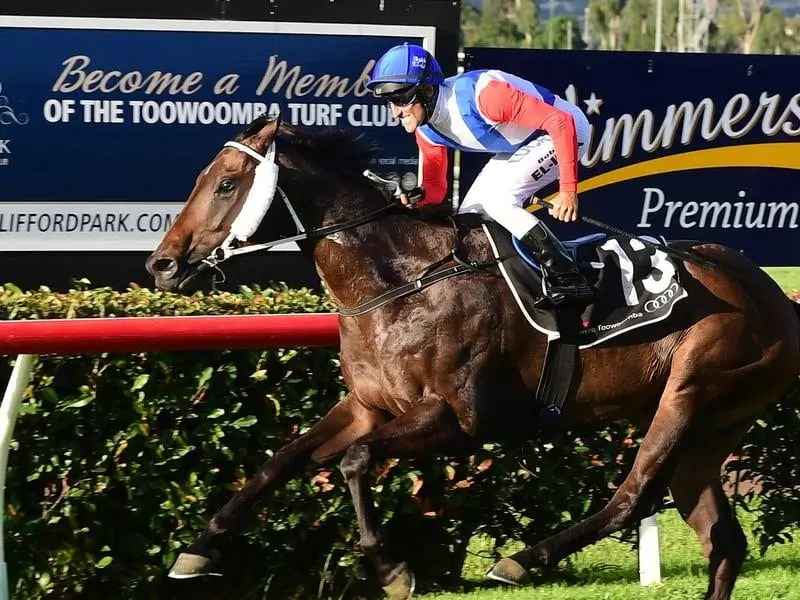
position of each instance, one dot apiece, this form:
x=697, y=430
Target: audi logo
x=662, y=299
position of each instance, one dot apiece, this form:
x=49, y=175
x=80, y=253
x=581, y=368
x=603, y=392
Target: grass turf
x=608, y=570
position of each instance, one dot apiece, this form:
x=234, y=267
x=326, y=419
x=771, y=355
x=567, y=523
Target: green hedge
x=119, y=459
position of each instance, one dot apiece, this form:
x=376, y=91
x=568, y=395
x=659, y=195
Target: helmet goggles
x=401, y=97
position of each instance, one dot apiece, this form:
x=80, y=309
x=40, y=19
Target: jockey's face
x=411, y=115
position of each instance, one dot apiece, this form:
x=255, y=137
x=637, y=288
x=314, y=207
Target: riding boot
x=564, y=281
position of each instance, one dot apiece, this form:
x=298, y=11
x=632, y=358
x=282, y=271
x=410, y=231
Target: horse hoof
x=401, y=587
x=510, y=572
x=189, y=566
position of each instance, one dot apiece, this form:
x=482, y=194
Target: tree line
x=732, y=26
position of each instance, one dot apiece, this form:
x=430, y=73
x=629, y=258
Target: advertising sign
x=688, y=146
x=105, y=123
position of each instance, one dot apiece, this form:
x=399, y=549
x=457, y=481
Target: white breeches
x=507, y=181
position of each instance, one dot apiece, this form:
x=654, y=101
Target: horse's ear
x=260, y=141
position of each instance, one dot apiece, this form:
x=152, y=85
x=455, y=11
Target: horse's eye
x=226, y=186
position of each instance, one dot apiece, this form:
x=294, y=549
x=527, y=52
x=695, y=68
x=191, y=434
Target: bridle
x=258, y=201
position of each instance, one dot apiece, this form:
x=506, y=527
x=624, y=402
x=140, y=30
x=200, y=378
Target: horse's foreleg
x=643, y=487
x=431, y=426
x=345, y=422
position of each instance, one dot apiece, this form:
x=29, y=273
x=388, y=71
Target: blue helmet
x=403, y=66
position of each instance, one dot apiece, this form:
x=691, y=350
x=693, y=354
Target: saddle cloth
x=635, y=285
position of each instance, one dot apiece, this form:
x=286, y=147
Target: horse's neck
x=360, y=263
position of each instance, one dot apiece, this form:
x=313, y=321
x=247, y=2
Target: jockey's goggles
x=402, y=97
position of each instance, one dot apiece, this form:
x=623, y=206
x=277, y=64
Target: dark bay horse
x=445, y=369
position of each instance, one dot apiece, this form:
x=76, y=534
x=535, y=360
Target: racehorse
x=439, y=366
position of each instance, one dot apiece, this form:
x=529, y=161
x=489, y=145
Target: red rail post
x=27, y=338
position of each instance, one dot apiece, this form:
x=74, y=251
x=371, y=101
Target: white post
x=20, y=376
x=649, y=557
x=659, y=19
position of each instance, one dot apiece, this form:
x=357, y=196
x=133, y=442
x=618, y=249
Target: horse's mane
x=332, y=147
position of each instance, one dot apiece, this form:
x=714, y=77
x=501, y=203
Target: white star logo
x=593, y=105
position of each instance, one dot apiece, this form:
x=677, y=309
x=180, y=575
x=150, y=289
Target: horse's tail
x=796, y=307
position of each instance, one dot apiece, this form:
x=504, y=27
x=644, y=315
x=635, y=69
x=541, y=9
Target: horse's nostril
x=165, y=266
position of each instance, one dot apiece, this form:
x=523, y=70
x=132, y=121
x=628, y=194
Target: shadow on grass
x=752, y=566
x=612, y=574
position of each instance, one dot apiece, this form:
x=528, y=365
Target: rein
x=258, y=203
x=226, y=250
x=223, y=252
x=427, y=279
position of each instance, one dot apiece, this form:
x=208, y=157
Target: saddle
x=635, y=284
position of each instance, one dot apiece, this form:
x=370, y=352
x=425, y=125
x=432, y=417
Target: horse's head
x=221, y=209
x=322, y=191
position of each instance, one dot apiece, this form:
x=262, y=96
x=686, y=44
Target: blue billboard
x=688, y=146
x=105, y=123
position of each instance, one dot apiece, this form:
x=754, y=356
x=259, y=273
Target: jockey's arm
x=503, y=103
x=434, y=170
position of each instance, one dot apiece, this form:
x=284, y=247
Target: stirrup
x=557, y=295
x=563, y=280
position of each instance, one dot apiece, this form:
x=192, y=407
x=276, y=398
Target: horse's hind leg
x=697, y=491
x=429, y=427
x=642, y=488
x=345, y=422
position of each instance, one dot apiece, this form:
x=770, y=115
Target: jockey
x=534, y=135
